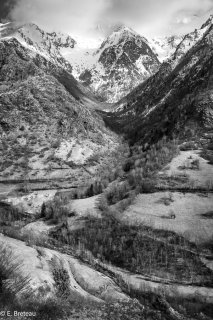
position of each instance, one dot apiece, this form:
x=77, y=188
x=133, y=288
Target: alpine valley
x=106, y=174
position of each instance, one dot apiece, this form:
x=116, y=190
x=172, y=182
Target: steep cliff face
x=174, y=99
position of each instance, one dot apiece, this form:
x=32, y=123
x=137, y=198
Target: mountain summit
x=123, y=60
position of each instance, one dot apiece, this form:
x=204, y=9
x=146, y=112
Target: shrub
x=116, y=192
x=56, y=211
x=195, y=164
x=62, y=281
x=189, y=145
x=147, y=186
x=11, y=281
x=102, y=204
x=55, y=144
x=9, y=213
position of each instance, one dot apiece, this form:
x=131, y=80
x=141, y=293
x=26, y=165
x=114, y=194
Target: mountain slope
x=172, y=48
x=45, y=124
x=189, y=40
x=174, y=100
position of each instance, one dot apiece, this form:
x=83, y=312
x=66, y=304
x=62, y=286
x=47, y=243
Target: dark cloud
x=6, y=7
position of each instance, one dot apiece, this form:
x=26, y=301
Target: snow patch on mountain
x=188, y=41
x=164, y=47
x=40, y=42
x=80, y=59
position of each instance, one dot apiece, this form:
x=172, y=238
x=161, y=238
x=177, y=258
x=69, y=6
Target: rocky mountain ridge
x=40, y=42
x=124, y=60
x=182, y=97
x=188, y=41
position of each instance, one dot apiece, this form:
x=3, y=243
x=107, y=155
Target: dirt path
x=138, y=282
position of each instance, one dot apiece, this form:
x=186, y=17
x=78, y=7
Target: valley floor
x=187, y=213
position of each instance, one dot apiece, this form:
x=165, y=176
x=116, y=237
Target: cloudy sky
x=148, y=17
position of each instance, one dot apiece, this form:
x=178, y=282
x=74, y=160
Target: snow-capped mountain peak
x=33, y=32
x=112, y=67
x=120, y=35
x=123, y=60
x=46, y=44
